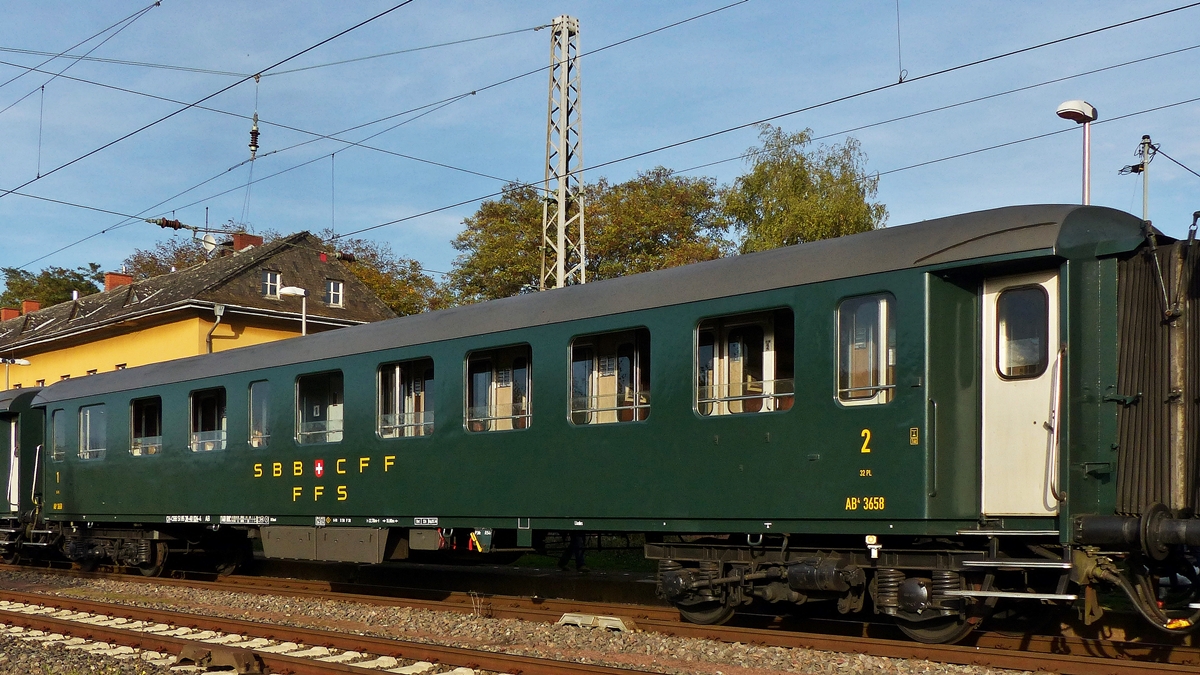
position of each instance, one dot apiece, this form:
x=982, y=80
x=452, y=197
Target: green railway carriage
x=937, y=416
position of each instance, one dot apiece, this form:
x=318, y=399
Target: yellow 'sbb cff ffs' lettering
x=338, y=467
x=258, y=472
x=297, y=468
x=318, y=491
x=296, y=492
x=388, y=461
x=342, y=495
x=276, y=469
x=363, y=463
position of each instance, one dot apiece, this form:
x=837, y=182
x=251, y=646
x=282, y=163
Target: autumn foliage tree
x=653, y=221
x=50, y=286
x=176, y=253
x=794, y=194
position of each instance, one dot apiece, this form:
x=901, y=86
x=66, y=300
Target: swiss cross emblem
x=318, y=467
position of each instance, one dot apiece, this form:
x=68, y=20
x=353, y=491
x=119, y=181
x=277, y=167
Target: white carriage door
x=1020, y=361
x=14, y=467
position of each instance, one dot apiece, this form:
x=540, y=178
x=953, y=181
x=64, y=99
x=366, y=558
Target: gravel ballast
x=638, y=649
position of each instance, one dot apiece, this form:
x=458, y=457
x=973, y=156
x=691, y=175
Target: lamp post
x=1083, y=113
x=11, y=362
x=303, y=295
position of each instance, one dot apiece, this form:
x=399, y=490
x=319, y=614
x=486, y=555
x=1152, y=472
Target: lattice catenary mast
x=564, y=251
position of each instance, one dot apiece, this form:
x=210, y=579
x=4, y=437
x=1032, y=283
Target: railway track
x=253, y=647
x=1060, y=654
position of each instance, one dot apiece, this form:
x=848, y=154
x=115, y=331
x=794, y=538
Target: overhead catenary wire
x=129, y=22
x=228, y=73
x=215, y=93
x=1181, y=164
x=435, y=105
x=958, y=104
x=56, y=55
x=881, y=173
x=741, y=126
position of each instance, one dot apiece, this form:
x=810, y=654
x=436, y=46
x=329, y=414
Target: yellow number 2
x=866, y=436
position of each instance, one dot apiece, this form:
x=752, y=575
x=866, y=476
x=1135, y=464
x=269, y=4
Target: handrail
x=1055, y=440
x=931, y=434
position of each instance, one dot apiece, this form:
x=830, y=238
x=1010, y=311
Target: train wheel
x=155, y=567
x=945, y=631
x=706, y=613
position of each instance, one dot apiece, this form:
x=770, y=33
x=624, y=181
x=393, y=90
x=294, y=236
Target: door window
x=1022, y=331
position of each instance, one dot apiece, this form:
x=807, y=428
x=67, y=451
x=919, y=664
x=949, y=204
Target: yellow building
x=231, y=301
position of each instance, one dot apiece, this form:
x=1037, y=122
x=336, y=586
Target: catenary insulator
x=254, y=137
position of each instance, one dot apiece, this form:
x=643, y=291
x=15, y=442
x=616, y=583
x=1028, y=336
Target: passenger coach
x=989, y=407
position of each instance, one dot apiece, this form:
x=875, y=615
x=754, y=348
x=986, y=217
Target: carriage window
x=498, y=389
x=208, y=420
x=1022, y=326
x=92, y=432
x=745, y=363
x=58, y=435
x=146, y=423
x=610, y=377
x=866, y=350
x=319, y=408
x=260, y=404
x=405, y=399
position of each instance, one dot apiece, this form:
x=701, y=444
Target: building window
x=58, y=435
x=745, y=363
x=405, y=399
x=333, y=293
x=119, y=366
x=319, y=408
x=146, y=423
x=866, y=350
x=610, y=377
x=41, y=383
x=1022, y=331
x=498, y=396
x=270, y=284
x=260, y=405
x=208, y=420
x=92, y=371
x=92, y=432
x=64, y=377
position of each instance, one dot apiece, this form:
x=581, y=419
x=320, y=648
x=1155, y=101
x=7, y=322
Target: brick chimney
x=242, y=241
x=30, y=306
x=7, y=313
x=116, y=280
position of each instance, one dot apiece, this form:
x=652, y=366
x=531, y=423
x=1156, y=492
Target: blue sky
x=747, y=62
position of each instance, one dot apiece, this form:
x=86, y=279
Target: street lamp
x=303, y=294
x=12, y=362
x=1083, y=113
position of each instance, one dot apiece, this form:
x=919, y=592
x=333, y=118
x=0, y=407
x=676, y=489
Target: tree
x=793, y=195
x=50, y=286
x=653, y=221
x=499, y=248
x=176, y=253
x=400, y=282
